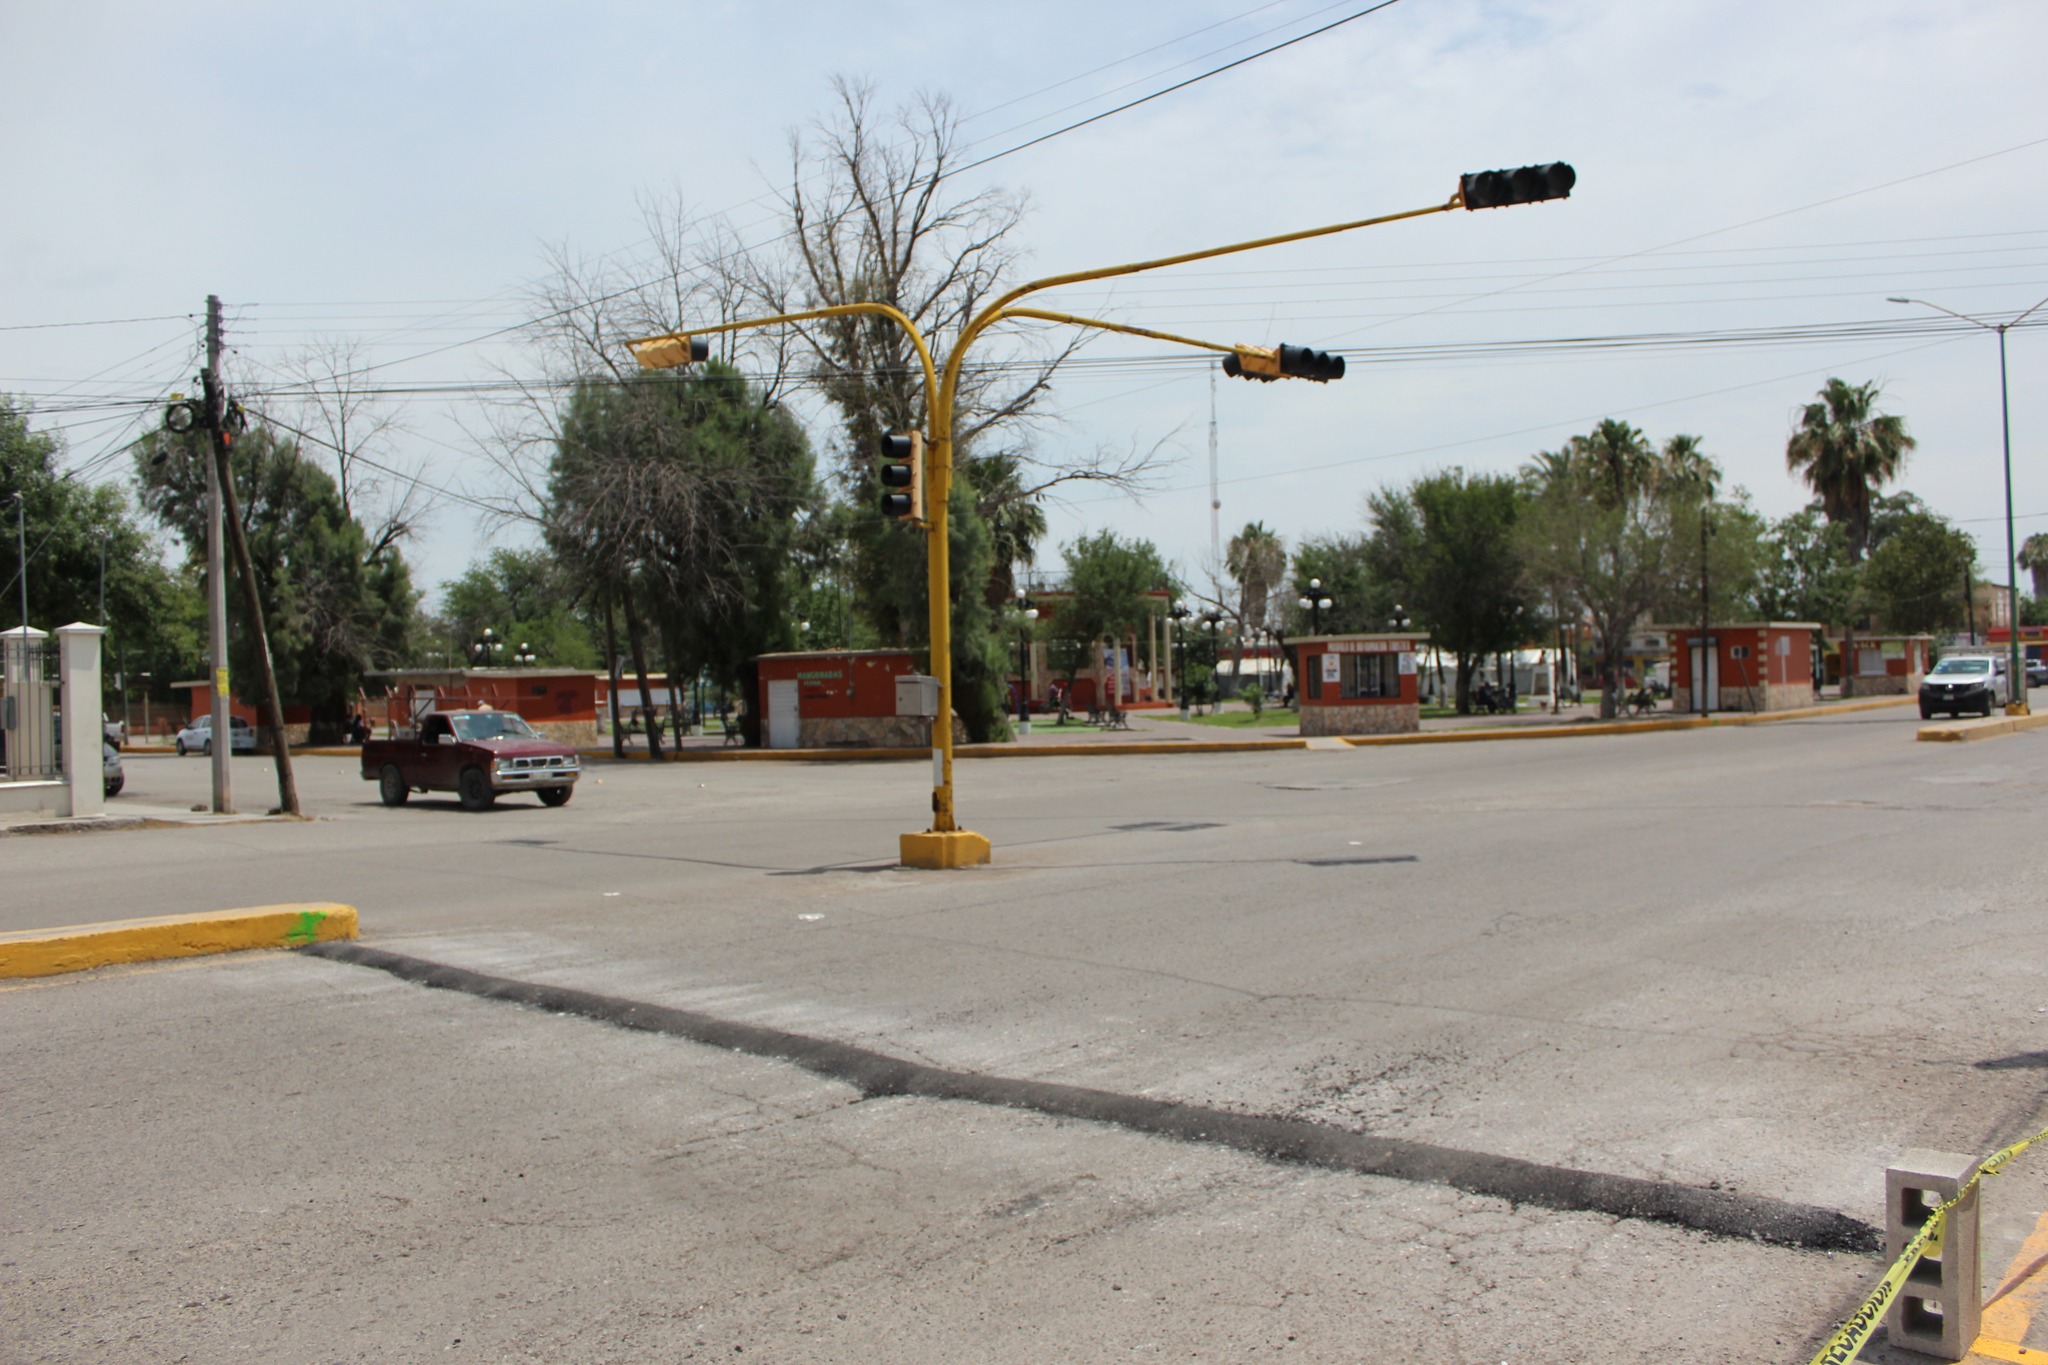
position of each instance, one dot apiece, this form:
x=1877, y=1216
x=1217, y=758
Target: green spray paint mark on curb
x=307, y=929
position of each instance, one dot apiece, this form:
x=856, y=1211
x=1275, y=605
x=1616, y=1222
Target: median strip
x=81, y=947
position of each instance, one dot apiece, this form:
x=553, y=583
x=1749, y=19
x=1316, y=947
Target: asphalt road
x=1748, y=965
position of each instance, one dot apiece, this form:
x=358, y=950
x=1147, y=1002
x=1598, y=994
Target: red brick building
x=1358, y=684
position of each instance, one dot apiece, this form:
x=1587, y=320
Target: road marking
x=2010, y=1311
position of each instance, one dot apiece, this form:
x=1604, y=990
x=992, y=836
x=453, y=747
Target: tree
x=1604, y=529
x=2034, y=559
x=1111, y=581
x=1257, y=563
x=676, y=499
x=1806, y=573
x=524, y=597
x=334, y=607
x=1846, y=450
x=1916, y=578
x=74, y=528
x=1349, y=569
x=1464, y=569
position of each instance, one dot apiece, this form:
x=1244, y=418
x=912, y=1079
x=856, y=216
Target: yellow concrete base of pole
x=941, y=849
x=2017, y=708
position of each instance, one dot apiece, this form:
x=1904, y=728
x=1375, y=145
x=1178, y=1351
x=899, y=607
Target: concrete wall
x=1362, y=718
x=870, y=732
x=1770, y=697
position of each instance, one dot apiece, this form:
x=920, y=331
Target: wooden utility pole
x=216, y=580
x=221, y=438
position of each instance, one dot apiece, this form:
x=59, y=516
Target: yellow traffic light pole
x=945, y=844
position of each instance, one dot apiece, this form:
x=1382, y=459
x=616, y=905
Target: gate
x=28, y=694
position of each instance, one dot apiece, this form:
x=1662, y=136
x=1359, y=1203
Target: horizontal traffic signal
x=902, y=475
x=666, y=353
x=1268, y=363
x=1527, y=185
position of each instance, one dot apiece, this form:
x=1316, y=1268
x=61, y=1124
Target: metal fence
x=28, y=710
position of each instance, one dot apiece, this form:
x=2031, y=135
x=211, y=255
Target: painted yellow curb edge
x=1963, y=731
x=81, y=947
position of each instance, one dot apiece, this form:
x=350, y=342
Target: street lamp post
x=1180, y=614
x=485, y=650
x=1213, y=619
x=1027, y=612
x=2018, y=672
x=1316, y=602
x=143, y=678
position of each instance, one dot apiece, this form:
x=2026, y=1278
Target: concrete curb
x=1626, y=727
x=1080, y=750
x=1964, y=731
x=81, y=947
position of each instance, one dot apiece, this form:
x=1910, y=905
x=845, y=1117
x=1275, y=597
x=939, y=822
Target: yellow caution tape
x=1850, y=1338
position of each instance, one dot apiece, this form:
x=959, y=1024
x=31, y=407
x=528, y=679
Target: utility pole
x=216, y=573
x=220, y=438
x=1215, y=497
x=21, y=555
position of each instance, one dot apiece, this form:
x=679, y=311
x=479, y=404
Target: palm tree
x=1015, y=518
x=1847, y=450
x=2034, y=559
x=1256, y=560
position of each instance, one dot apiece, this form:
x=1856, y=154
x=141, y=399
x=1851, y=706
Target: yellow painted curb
x=80, y=947
x=1963, y=731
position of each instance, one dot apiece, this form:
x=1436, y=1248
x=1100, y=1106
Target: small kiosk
x=843, y=698
x=1750, y=666
x=1359, y=684
x=1886, y=665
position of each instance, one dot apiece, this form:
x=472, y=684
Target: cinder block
x=1941, y=1303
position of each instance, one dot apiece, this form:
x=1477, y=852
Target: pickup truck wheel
x=475, y=789
x=391, y=788
x=207, y=748
x=555, y=796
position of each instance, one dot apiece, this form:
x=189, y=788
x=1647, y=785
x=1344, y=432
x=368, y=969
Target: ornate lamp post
x=1316, y=602
x=1213, y=618
x=1027, y=612
x=1180, y=614
x=485, y=650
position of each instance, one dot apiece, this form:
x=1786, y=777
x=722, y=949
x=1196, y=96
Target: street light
x=2017, y=706
x=1316, y=603
x=1399, y=620
x=524, y=656
x=1027, y=612
x=1180, y=613
x=1213, y=618
x=485, y=650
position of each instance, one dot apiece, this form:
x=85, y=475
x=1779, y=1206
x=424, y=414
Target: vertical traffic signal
x=1527, y=185
x=902, y=475
x=1268, y=363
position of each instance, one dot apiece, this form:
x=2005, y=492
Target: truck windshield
x=492, y=725
x=1953, y=666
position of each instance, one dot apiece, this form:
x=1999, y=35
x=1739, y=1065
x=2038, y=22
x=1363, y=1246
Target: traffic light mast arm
x=647, y=350
x=1043, y=316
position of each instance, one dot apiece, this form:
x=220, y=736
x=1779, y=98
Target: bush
x=1254, y=696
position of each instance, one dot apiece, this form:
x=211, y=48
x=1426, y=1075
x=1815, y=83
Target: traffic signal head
x=1268, y=363
x=902, y=475
x=1299, y=362
x=1528, y=185
x=666, y=353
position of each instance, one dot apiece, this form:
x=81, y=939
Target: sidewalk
x=129, y=815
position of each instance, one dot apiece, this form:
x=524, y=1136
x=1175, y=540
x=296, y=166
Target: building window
x=1374, y=676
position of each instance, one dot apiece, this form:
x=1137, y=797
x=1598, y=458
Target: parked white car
x=198, y=736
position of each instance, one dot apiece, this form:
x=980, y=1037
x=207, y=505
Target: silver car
x=198, y=736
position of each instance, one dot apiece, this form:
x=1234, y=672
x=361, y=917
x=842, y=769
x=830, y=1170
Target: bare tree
x=339, y=410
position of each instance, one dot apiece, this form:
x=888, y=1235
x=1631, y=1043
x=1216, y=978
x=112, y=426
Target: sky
x=393, y=176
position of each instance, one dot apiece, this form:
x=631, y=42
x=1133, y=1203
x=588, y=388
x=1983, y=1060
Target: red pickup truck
x=478, y=755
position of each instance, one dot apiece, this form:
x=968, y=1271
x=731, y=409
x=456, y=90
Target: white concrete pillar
x=84, y=735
